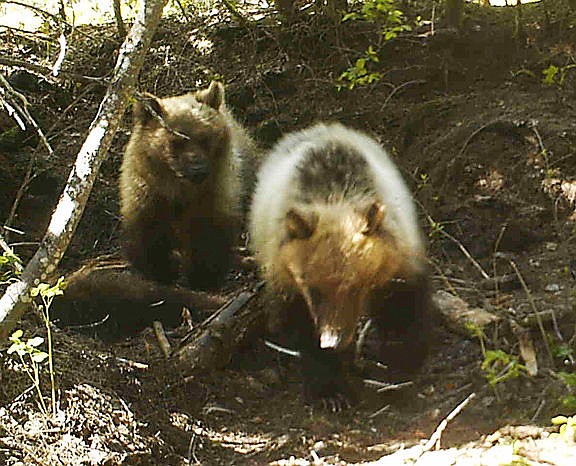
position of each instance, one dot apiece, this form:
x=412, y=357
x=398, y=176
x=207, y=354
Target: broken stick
x=211, y=344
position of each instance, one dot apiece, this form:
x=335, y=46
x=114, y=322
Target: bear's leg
x=401, y=324
x=325, y=379
x=208, y=253
x=149, y=245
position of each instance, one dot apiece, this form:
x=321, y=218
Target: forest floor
x=489, y=151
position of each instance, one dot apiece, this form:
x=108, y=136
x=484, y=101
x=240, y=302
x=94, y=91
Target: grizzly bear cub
x=335, y=232
x=180, y=187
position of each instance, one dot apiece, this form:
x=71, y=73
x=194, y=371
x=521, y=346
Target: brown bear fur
x=180, y=187
x=105, y=298
x=335, y=232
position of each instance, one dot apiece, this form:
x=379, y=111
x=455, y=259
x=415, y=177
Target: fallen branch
x=282, y=349
x=45, y=71
x=211, y=344
x=462, y=318
x=70, y=207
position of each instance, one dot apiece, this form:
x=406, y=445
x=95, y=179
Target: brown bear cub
x=335, y=232
x=180, y=187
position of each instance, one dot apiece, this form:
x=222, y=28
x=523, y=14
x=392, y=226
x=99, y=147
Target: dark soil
x=489, y=151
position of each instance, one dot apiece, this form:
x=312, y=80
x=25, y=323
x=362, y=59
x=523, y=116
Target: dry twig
x=45, y=71
x=473, y=261
x=162, y=338
x=399, y=88
x=19, y=110
x=534, y=309
x=211, y=344
x=434, y=441
x=20, y=193
x=8, y=249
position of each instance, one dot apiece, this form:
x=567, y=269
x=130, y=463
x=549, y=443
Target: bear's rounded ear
x=374, y=218
x=300, y=225
x=213, y=96
x=147, y=109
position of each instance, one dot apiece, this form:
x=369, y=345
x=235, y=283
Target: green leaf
x=569, y=402
x=19, y=348
x=568, y=378
x=16, y=335
x=34, y=342
x=39, y=357
x=550, y=74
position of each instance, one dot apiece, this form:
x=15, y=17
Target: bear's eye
x=316, y=296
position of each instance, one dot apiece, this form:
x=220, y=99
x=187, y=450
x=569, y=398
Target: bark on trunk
x=71, y=204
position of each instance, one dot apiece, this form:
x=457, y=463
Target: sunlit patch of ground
x=90, y=427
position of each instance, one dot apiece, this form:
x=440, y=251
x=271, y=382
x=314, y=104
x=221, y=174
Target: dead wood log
x=460, y=317
x=162, y=338
x=70, y=207
x=212, y=344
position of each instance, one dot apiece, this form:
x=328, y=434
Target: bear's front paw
x=330, y=395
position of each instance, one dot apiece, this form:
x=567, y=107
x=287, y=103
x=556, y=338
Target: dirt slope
x=488, y=150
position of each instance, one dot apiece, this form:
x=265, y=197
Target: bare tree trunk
x=335, y=9
x=119, y=21
x=286, y=8
x=519, y=32
x=69, y=209
x=454, y=11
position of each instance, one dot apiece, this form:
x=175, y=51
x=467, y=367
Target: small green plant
x=436, y=229
x=567, y=430
x=29, y=353
x=477, y=332
x=9, y=266
x=500, y=366
x=556, y=75
x=569, y=401
x=423, y=181
x=392, y=23
x=47, y=294
x=385, y=13
x=562, y=351
x=31, y=357
x=359, y=74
